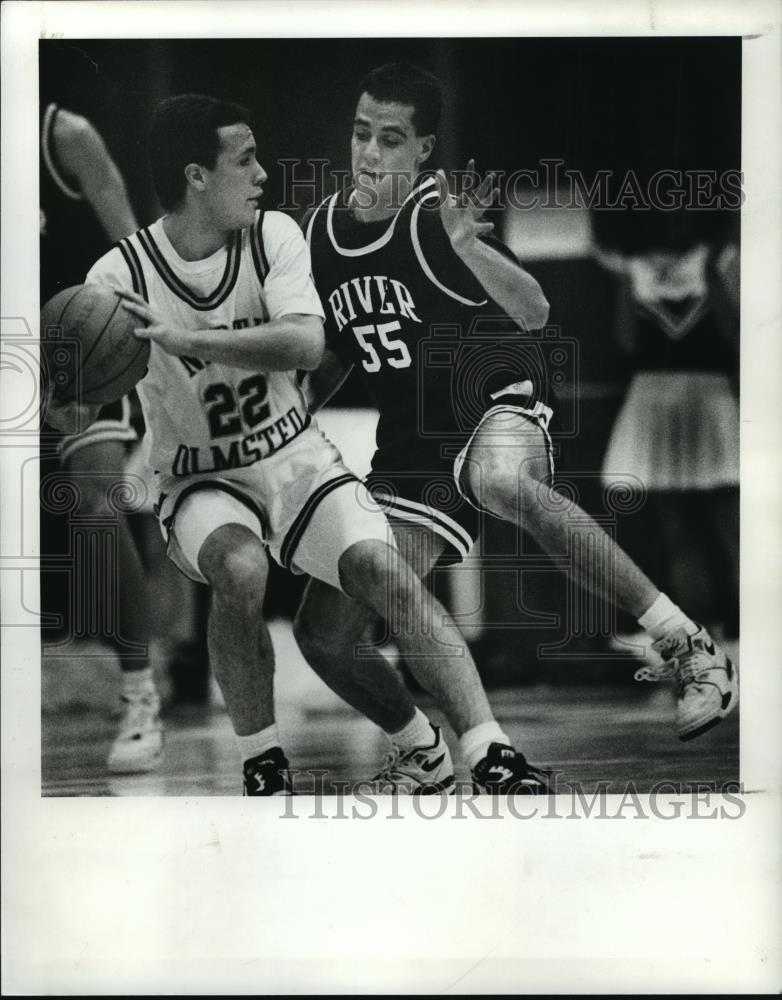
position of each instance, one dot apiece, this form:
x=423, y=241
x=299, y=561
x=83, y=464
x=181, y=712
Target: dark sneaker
x=420, y=771
x=504, y=770
x=267, y=774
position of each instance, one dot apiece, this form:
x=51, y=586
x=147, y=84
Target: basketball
x=91, y=352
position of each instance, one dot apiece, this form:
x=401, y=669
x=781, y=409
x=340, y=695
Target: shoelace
x=657, y=672
x=684, y=669
x=390, y=764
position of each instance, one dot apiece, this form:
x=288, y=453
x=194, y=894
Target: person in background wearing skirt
x=677, y=431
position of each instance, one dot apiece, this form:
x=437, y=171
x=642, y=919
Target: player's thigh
x=419, y=546
x=233, y=560
x=346, y=520
x=329, y=620
x=507, y=450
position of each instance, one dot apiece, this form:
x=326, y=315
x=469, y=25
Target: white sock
x=417, y=733
x=663, y=617
x=257, y=743
x=475, y=742
x=138, y=683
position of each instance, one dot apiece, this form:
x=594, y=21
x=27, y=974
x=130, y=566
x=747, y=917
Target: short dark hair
x=184, y=130
x=404, y=83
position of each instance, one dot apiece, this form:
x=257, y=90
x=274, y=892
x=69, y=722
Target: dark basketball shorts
x=426, y=485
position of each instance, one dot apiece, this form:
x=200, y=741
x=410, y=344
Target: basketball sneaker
x=506, y=771
x=139, y=744
x=420, y=771
x=707, y=683
x=267, y=774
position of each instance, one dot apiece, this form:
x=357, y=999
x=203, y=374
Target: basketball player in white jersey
x=84, y=208
x=227, y=301
x=393, y=256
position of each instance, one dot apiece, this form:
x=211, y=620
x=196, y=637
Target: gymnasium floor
x=615, y=734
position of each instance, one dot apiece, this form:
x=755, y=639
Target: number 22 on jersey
x=224, y=408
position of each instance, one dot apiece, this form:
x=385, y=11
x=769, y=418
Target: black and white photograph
x=389, y=435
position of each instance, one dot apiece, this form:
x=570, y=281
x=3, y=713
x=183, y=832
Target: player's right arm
x=499, y=274
x=321, y=384
x=85, y=159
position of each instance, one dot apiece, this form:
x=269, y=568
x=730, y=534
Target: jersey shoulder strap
x=260, y=260
x=316, y=212
x=129, y=248
x=433, y=251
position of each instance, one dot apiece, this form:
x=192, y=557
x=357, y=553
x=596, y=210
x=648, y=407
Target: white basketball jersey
x=203, y=416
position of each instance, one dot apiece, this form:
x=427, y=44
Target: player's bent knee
x=493, y=483
x=376, y=576
x=367, y=569
x=363, y=568
x=237, y=570
x=506, y=484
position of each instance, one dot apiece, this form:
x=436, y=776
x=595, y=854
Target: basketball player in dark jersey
x=400, y=263
x=84, y=208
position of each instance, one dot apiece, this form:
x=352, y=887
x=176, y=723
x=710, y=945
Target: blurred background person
x=84, y=208
x=677, y=432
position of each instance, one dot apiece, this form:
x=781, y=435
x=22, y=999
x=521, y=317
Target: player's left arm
x=294, y=341
x=503, y=279
x=85, y=158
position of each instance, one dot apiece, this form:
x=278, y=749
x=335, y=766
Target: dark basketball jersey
x=432, y=348
x=72, y=239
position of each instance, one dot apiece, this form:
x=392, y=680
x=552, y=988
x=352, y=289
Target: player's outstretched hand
x=462, y=213
x=172, y=340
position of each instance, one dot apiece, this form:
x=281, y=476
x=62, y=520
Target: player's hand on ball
x=462, y=213
x=170, y=339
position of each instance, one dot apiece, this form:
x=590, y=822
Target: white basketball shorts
x=301, y=502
